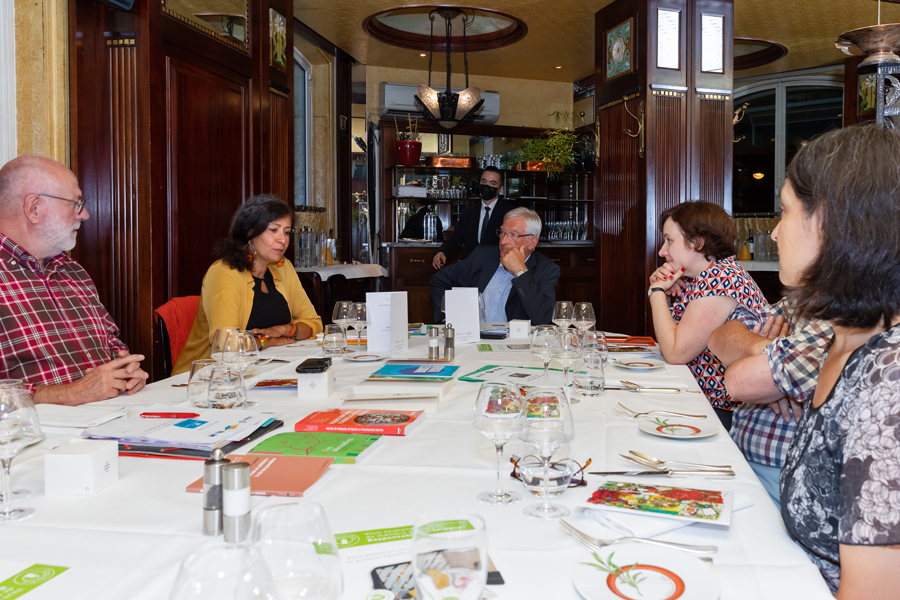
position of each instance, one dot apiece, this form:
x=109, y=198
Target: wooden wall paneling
x=343, y=100
x=208, y=163
x=279, y=142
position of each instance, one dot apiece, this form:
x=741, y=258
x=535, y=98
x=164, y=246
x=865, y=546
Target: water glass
x=198, y=382
x=218, y=570
x=497, y=411
x=544, y=342
x=14, y=384
x=562, y=468
x=450, y=556
x=340, y=315
x=563, y=314
x=222, y=340
x=358, y=320
x=590, y=379
x=226, y=387
x=19, y=426
x=232, y=346
x=300, y=550
x=334, y=342
x=583, y=316
x=567, y=353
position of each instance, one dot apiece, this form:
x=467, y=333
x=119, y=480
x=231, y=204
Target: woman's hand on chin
x=665, y=276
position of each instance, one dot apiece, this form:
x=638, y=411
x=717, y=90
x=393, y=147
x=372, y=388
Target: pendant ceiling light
x=878, y=42
x=448, y=108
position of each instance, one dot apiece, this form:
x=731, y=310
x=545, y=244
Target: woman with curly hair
x=251, y=286
x=698, y=245
x=839, y=249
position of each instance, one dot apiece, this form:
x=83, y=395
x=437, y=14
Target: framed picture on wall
x=619, y=49
x=277, y=40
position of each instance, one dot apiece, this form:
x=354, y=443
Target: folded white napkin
x=79, y=417
x=605, y=524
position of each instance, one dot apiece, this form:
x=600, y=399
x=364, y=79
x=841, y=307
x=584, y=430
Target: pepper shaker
x=434, y=350
x=236, y=502
x=449, y=342
x=212, y=493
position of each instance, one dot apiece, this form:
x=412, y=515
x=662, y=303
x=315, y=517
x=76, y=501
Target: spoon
x=664, y=463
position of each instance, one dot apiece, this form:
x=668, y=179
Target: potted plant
x=552, y=151
x=409, y=148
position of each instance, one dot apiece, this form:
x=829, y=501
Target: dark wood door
x=206, y=110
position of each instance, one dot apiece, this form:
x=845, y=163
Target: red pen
x=151, y=415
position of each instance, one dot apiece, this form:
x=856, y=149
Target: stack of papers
x=77, y=417
x=206, y=432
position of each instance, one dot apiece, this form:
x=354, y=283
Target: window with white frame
x=779, y=116
x=302, y=129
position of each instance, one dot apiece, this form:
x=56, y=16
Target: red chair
x=175, y=319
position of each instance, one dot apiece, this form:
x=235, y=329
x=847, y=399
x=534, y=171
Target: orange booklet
x=278, y=475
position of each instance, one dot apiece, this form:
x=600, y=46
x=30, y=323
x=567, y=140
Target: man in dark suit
x=478, y=224
x=415, y=225
x=515, y=281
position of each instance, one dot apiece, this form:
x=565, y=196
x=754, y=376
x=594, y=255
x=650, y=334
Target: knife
x=725, y=473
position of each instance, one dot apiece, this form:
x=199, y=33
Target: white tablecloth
x=128, y=540
x=348, y=271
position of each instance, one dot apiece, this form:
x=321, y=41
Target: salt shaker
x=212, y=493
x=236, y=502
x=434, y=350
x=449, y=342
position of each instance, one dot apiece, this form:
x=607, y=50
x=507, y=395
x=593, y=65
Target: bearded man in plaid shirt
x=55, y=335
x=772, y=358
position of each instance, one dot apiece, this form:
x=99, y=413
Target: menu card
x=461, y=311
x=387, y=320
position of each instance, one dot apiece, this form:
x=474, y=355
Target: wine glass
x=566, y=353
x=219, y=343
x=449, y=556
x=530, y=470
x=226, y=387
x=562, y=314
x=358, y=321
x=14, y=384
x=583, y=316
x=341, y=314
x=334, y=341
x=19, y=426
x=544, y=341
x=496, y=415
x=219, y=570
x=300, y=550
x=547, y=425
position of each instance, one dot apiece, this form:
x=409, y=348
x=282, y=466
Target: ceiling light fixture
x=878, y=42
x=423, y=54
x=559, y=67
x=447, y=108
x=758, y=175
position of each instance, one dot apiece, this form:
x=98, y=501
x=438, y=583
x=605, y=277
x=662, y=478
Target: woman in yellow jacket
x=252, y=286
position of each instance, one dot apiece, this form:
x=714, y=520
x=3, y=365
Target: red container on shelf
x=408, y=152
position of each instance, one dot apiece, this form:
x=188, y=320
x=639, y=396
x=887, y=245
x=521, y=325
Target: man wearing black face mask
x=479, y=223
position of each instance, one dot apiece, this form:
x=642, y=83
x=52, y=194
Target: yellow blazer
x=226, y=300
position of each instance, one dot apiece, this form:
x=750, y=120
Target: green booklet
x=344, y=448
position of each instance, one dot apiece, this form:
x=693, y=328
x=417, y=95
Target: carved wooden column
x=663, y=106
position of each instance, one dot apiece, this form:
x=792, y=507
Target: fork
x=634, y=415
x=594, y=544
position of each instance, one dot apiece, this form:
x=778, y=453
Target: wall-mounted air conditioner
x=398, y=100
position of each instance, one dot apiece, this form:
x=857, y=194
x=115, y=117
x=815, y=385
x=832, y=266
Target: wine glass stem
x=546, y=461
x=358, y=339
x=546, y=374
x=6, y=463
x=566, y=375
x=499, y=492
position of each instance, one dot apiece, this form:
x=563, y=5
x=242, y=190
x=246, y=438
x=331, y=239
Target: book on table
x=342, y=448
x=279, y=475
x=381, y=422
x=392, y=388
x=414, y=372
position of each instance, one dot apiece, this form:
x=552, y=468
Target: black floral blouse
x=840, y=483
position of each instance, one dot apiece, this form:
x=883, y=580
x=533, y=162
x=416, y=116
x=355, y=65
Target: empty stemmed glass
x=340, y=315
x=497, y=411
x=300, y=550
x=562, y=314
x=358, y=321
x=217, y=570
x=449, y=556
x=14, y=384
x=544, y=341
x=567, y=353
x=547, y=425
x=583, y=316
x=233, y=347
x=19, y=426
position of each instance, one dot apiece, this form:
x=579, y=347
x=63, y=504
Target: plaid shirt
x=52, y=324
x=795, y=362
x=724, y=277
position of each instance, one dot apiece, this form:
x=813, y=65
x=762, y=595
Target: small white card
x=387, y=319
x=461, y=306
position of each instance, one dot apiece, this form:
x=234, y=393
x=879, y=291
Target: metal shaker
x=212, y=493
x=449, y=342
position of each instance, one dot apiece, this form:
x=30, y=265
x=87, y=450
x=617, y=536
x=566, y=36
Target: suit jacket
x=532, y=295
x=415, y=226
x=466, y=232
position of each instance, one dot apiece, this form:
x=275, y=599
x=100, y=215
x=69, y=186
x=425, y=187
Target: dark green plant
x=555, y=148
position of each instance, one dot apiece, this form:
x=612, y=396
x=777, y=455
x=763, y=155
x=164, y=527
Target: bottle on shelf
x=760, y=253
x=751, y=245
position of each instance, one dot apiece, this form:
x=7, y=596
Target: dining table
x=128, y=540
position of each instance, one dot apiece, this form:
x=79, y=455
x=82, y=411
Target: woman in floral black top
x=839, y=247
x=698, y=245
